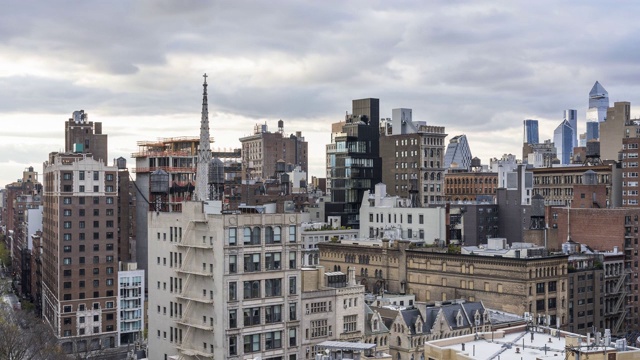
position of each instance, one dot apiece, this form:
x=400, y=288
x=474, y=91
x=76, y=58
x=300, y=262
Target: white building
x=224, y=286
x=130, y=303
x=392, y=217
x=315, y=233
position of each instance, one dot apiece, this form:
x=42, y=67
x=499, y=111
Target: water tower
x=159, y=189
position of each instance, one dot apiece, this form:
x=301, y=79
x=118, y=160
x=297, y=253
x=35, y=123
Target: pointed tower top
x=598, y=91
x=204, y=149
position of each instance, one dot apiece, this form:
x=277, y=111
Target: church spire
x=204, y=150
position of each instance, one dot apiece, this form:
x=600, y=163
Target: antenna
x=569, y=222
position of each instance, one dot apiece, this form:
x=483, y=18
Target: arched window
x=426, y=176
x=399, y=344
x=255, y=236
x=437, y=176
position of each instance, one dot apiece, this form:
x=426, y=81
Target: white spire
x=204, y=150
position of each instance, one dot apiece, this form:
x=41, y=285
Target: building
x=540, y=155
x=470, y=185
x=393, y=218
x=458, y=154
x=618, y=125
x=353, y=161
x=262, y=150
x=224, y=285
x=514, y=201
x=414, y=152
x=80, y=272
x=530, y=132
x=598, y=103
x=501, y=283
x=131, y=298
x=593, y=130
x=571, y=116
x=126, y=212
x=314, y=233
x=472, y=222
x=629, y=162
x=563, y=137
x=556, y=184
x=85, y=137
x=333, y=308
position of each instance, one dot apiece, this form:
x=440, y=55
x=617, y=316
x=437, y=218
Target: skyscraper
x=593, y=130
x=458, y=154
x=572, y=117
x=598, y=103
x=530, y=131
x=353, y=160
x=563, y=140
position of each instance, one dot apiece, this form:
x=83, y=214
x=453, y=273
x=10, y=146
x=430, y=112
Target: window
x=233, y=345
x=251, y=289
x=66, y=273
x=293, y=289
x=273, y=287
x=293, y=313
x=67, y=224
x=272, y=261
x=552, y=303
x=540, y=288
x=273, y=340
x=66, y=212
x=109, y=177
x=292, y=260
x=421, y=219
x=251, y=262
x=252, y=343
x=66, y=176
x=251, y=316
x=540, y=305
x=319, y=328
x=273, y=314
x=67, y=261
x=66, y=201
x=251, y=236
x=233, y=319
x=109, y=200
x=292, y=340
x=233, y=264
x=350, y=323
x=552, y=286
x=109, y=188
x=81, y=188
x=232, y=235
x=292, y=233
x=233, y=291
x=67, y=248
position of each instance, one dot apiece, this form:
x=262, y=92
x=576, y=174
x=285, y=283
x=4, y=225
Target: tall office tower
x=458, y=154
x=80, y=250
x=530, y=131
x=572, y=117
x=262, y=150
x=563, y=140
x=598, y=103
x=84, y=136
x=412, y=152
x=353, y=160
x=593, y=130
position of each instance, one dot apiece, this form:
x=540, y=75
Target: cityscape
x=289, y=182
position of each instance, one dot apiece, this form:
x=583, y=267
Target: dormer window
x=375, y=325
x=459, y=319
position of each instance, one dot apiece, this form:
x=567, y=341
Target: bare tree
x=24, y=337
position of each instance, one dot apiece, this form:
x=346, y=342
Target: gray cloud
x=472, y=67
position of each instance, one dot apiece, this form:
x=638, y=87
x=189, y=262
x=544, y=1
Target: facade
x=563, y=139
x=126, y=212
x=503, y=284
x=530, y=131
x=314, y=233
x=224, y=285
x=598, y=103
x=262, y=150
x=414, y=153
x=394, y=218
x=85, y=137
x=630, y=170
x=333, y=309
x=130, y=304
x=80, y=273
x=618, y=125
x=469, y=186
x=353, y=161
x=593, y=130
x=556, y=184
x=571, y=116
x=458, y=154
x=540, y=155
x=472, y=223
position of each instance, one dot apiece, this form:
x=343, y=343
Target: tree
x=24, y=337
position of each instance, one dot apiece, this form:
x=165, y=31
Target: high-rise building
x=412, y=152
x=563, y=139
x=80, y=250
x=617, y=125
x=458, y=154
x=593, y=130
x=531, y=131
x=572, y=117
x=353, y=160
x=598, y=103
x=262, y=151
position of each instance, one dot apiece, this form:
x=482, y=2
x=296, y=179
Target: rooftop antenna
x=569, y=222
x=204, y=149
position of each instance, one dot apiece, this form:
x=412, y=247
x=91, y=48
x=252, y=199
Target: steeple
x=204, y=150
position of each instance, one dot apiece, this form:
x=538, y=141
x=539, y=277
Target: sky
x=477, y=68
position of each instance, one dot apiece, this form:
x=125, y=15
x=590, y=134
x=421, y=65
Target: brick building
x=556, y=184
x=467, y=185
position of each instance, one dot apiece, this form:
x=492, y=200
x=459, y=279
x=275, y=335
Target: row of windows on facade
x=254, y=289
x=82, y=260
x=81, y=248
x=81, y=176
x=467, y=181
x=82, y=212
x=82, y=224
x=251, y=235
x=379, y=218
x=566, y=179
x=81, y=200
x=82, y=307
x=82, y=188
x=82, y=236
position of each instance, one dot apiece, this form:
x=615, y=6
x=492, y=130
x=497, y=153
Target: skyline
x=478, y=70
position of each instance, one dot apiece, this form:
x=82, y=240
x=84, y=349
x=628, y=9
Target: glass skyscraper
x=531, y=131
x=563, y=141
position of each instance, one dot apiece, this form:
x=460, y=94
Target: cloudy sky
x=137, y=66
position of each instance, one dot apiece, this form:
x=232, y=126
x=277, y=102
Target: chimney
x=352, y=275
